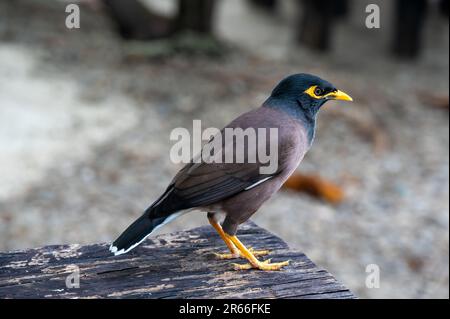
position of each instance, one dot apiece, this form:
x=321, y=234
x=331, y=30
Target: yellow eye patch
x=317, y=93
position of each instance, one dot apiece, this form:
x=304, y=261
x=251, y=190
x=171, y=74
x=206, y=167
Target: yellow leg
x=234, y=252
x=254, y=262
x=238, y=254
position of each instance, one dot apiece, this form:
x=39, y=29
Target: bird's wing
x=205, y=184
x=201, y=184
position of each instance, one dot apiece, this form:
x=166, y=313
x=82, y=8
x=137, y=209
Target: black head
x=308, y=92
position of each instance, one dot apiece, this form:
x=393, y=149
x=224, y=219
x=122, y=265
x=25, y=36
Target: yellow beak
x=339, y=95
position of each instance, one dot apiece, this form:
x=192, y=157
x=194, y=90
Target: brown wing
x=202, y=184
x=205, y=184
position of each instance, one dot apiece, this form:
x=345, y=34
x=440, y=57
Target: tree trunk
x=316, y=21
x=409, y=20
x=195, y=15
x=316, y=24
x=444, y=7
x=269, y=5
x=135, y=21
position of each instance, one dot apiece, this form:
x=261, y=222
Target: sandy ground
x=84, y=138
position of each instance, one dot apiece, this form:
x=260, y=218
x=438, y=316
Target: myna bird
x=238, y=189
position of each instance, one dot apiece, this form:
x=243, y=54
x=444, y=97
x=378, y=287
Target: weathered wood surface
x=178, y=265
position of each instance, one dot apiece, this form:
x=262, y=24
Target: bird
x=234, y=191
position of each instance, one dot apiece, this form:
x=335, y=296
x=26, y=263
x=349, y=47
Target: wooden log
x=178, y=265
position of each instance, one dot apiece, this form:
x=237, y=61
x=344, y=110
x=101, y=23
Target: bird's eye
x=318, y=91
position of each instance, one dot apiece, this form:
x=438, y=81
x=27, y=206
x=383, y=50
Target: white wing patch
x=257, y=183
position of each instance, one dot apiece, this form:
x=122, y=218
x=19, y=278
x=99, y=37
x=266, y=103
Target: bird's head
x=308, y=92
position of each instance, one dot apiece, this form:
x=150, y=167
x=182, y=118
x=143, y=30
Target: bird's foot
x=258, y=252
x=237, y=254
x=227, y=256
x=262, y=265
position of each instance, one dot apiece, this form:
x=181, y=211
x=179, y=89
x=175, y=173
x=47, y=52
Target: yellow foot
x=258, y=252
x=237, y=254
x=262, y=265
x=227, y=256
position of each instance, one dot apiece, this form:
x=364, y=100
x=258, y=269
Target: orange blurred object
x=315, y=186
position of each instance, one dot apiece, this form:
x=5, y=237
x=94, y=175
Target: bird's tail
x=138, y=231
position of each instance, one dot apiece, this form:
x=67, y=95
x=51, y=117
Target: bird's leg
x=234, y=252
x=253, y=261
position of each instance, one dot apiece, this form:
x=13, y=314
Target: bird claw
x=263, y=265
x=259, y=252
x=227, y=256
x=237, y=254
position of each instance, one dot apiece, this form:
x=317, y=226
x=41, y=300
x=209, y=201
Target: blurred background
x=86, y=113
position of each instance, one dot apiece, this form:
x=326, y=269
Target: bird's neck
x=296, y=110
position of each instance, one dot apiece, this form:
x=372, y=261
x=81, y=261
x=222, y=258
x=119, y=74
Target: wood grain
x=178, y=265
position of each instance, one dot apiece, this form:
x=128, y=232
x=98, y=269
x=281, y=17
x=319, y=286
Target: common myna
x=237, y=189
